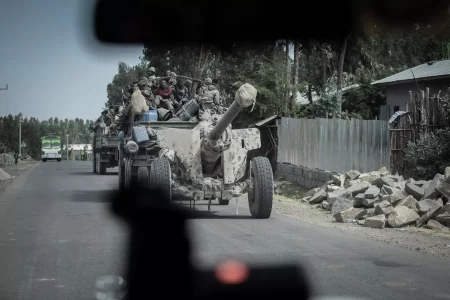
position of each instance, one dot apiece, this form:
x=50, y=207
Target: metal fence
x=334, y=144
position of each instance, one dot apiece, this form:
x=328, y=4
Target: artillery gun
x=203, y=160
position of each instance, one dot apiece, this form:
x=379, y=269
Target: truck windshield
x=56, y=144
x=46, y=145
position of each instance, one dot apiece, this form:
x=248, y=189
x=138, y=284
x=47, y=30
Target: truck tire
x=260, y=196
x=121, y=173
x=102, y=168
x=44, y=160
x=127, y=173
x=59, y=159
x=94, y=163
x=160, y=176
x=142, y=176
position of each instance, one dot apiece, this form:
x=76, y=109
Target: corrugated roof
x=439, y=68
x=267, y=120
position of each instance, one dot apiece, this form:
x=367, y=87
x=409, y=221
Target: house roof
x=267, y=120
x=426, y=71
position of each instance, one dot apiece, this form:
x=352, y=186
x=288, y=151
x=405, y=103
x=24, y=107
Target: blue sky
x=51, y=61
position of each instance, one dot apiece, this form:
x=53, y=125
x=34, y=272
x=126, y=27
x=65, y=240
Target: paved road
x=57, y=237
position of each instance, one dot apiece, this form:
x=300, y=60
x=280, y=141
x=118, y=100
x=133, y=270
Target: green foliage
x=33, y=130
x=429, y=155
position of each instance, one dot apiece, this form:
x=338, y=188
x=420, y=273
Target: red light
x=232, y=272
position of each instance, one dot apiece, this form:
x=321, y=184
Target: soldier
x=164, y=96
x=204, y=86
x=212, y=92
x=181, y=93
x=16, y=157
x=173, y=79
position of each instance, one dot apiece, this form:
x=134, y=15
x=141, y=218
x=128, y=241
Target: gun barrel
x=245, y=96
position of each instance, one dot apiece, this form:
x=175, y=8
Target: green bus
x=51, y=147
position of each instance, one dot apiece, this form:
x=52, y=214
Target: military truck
x=201, y=160
x=104, y=149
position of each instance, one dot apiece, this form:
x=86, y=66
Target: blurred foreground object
x=159, y=261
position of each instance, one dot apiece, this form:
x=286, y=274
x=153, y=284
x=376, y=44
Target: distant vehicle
x=104, y=149
x=51, y=147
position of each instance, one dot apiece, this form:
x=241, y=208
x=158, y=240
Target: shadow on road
x=91, y=173
x=204, y=214
x=91, y=196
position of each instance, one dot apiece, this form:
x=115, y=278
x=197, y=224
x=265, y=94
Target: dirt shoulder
x=418, y=239
x=15, y=171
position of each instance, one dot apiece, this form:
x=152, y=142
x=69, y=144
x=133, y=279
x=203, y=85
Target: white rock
x=375, y=222
x=402, y=216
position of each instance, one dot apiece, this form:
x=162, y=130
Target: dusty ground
x=14, y=171
x=418, y=239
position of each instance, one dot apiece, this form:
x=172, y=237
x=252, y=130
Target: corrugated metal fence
x=334, y=144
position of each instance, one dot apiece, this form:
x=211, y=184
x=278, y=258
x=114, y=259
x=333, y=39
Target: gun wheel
x=260, y=195
x=160, y=176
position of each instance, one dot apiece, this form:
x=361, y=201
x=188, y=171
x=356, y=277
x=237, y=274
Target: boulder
x=332, y=196
x=349, y=214
x=369, y=177
x=383, y=171
x=370, y=202
x=444, y=187
x=370, y=212
x=435, y=225
x=415, y=191
x=410, y=202
x=340, y=204
x=312, y=192
x=444, y=218
x=389, y=182
x=385, y=198
x=339, y=180
x=430, y=191
x=333, y=188
x=397, y=196
x=424, y=205
x=372, y=192
x=358, y=200
x=433, y=212
x=422, y=183
x=402, y=216
x=383, y=208
x=326, y=205
x=447, y=207
x=318, y=197
x=375, y=222
x=358, y=187
x=305, y=199
x=388, y=190
x=353, y=174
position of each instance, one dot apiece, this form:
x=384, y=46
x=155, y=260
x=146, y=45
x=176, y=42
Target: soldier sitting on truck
x=164, y=96
x=181, y=93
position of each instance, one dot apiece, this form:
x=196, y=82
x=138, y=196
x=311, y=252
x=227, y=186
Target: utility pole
x=20, y=134
x=4, y=89
x=67, y=146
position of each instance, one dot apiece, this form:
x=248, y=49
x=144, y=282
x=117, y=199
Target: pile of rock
x=6, y=159
x=379, y=199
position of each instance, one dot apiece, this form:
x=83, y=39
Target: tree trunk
x=296, y=61
x=340, y=70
